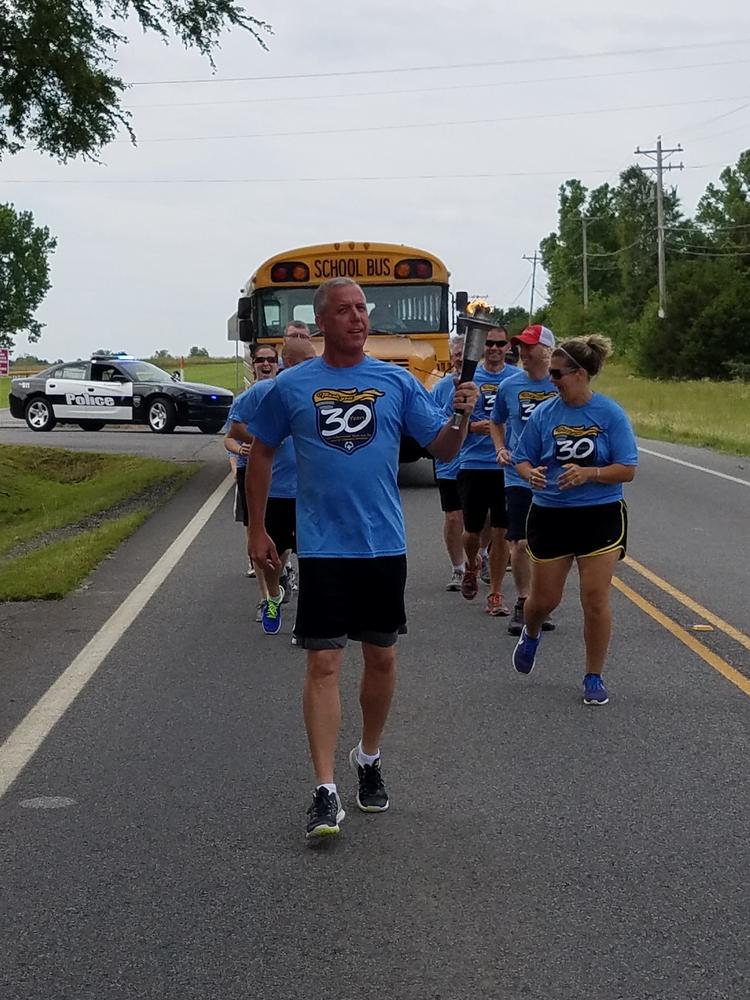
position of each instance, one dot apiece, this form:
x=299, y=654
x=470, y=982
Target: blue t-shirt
x=443, y=393
x=516, y=400
x=284, y=470
x=478, y=451
x=346, y=424
x=595, y=434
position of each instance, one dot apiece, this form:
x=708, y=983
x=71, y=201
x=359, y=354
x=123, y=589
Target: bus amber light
x=403, y=270
x=300, y=272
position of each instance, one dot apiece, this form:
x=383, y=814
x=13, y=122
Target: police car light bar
x=117, y=356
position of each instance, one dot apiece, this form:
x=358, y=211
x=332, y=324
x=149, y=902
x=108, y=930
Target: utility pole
x=584, y=220
x=658, y=155
x=534, y=260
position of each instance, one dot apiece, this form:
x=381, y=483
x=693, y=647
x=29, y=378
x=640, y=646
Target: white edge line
x=33, y=729
x=691, y=465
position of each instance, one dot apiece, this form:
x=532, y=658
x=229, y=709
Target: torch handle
x=467, y=374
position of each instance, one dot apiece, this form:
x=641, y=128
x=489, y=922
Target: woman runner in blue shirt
x=575, y=452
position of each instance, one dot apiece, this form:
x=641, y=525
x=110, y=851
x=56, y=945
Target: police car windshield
x=142, y=371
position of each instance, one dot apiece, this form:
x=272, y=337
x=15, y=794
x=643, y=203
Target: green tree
x=162, y=354
x=198, y=352
x=58, y=91
x=707, y=327
x=24, y=273
x=724, y=211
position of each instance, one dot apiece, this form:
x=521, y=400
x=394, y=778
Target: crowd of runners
x=531, y=481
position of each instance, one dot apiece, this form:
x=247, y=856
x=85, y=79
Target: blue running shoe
x=524, y=655
x=271, y=613
x=594, y=691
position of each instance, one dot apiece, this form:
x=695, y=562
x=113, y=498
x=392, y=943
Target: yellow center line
x=725, y=627
x=706, y=654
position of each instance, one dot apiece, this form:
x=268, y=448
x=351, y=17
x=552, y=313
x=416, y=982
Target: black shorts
x=359, y=599
x=240, y=500
x=517, y=504
x=592, y=530
x=450, y=500
x=482, y=492
x=281, y=523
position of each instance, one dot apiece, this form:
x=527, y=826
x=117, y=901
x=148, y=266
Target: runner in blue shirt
x=238, y=442
x=481, y=484
x=516, y=400
x=346, y=413
x=280, y=517
x=446, y=473
x=576, y=451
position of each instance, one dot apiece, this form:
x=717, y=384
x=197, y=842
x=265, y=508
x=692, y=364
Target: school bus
x=408, y=301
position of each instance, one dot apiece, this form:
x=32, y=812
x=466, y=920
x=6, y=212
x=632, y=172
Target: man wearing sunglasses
x=481, y=484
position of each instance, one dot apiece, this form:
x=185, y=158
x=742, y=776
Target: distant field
x=711, y=414
x=220, y=373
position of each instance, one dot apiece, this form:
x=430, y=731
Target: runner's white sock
x=366, y=758
x=330, y=788
x=277, y=599
x=459, y=568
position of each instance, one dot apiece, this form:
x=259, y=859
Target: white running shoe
x=454, y=584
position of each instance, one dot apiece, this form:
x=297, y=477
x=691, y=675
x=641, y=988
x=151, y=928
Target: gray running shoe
x=454, y=584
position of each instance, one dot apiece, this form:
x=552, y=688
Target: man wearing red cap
x=517, y=398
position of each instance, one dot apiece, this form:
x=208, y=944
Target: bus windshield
x=393, y=309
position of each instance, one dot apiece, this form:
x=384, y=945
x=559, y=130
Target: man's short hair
x=296, y=324
x=320, y=299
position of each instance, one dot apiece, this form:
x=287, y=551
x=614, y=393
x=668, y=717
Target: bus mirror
x=246, y=330
x=244, y=308
x=462, y=301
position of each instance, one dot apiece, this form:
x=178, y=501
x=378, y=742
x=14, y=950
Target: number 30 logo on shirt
x=346, y=417
x=575, y=445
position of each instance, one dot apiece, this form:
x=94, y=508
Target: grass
x=53, y=571
x=46, y=489
x=710, y=414
x=4, y=390
x=42, y=489
x=219, y=373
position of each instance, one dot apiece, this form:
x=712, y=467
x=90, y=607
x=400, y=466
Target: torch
x=473, y=325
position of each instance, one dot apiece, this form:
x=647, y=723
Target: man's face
x=496, y=346
x=532, y=354
x=265, y=364
x=296, y=333
x=457, y=357
x=344, y=319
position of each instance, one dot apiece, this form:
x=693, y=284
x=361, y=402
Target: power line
x=700, y=253
x=658, y=155
x=431, y=90
x=537, y=61
x=439, y=124
x=333, y=180
x=523, y=289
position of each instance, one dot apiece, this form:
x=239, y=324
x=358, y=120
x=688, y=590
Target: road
x=535, y=850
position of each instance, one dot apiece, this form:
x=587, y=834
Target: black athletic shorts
x=359, y=599
x=592, y=530
x=281, y=522
x=240, y=500
x=517, y=504
x=449, y=498
x=482, y=491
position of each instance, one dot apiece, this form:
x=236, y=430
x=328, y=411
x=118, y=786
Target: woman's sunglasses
x=557, y=373
x=265, y=361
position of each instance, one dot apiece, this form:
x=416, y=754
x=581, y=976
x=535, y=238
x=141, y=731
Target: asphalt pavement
x=535, y=849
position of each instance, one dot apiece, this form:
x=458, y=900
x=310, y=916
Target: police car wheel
x=162, y=416
x=211, y=426
x=39, y=415
x=91, y=425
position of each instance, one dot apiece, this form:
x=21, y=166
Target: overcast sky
x=157, y=262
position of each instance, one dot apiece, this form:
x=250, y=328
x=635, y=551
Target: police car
x=116, y=389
